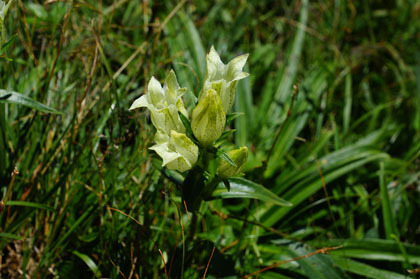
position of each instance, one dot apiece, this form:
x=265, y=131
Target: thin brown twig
x=12, y=181
x=119, y=270
x=186, y=210
x=126, y=63
x=164, y=264
x=171, y=14
x=319, y=251
x=208, y=263
x=227, y=247
x=166, y=20
x=125, y=214
x=228, y=216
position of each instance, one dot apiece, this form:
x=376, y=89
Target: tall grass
x=90, y=201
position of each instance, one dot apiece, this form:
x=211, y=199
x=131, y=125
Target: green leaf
x=246, y=189
x=38, y=10
x=232, y=116
x=187, y=125
x=19, y=99
x=374, y=249
x=317, y=266
x=7, y=44
x=221, y=154
x=89, y=262
x=365, y=270
x=224, y=136
x=29, y=204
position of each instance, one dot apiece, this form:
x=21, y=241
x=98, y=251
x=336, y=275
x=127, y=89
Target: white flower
x=223, y=78
x=164, y=104
x=3, y=12
x=178, y=152
x=4, y=8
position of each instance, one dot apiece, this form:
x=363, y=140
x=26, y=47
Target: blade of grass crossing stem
x=388, y=217
x=284, y=89
x=347, y=103
x=406, y=263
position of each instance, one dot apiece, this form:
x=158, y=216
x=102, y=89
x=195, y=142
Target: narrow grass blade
x=388, y=217
x=311, y=184
x=347, y=104
x=19, y=99
x=90, y=263
x=9, y=235
x=365, y=270
x=29, y=204
x=374, y=249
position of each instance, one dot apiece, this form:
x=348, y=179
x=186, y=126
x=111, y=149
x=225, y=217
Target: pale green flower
x=239, y=157
x=208, y=118
x=3, y=12
x=164, y=104
x=178, y=152
x=223, y=78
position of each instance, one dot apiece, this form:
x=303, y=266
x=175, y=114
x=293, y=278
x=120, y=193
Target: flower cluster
x=208, y=118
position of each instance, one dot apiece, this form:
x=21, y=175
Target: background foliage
x=91, y=201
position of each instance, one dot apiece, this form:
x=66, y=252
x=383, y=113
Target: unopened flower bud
x=208, y=118
x=239, y=157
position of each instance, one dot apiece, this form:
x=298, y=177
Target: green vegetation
x=330, y=115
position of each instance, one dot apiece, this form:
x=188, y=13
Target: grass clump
x=330, y=114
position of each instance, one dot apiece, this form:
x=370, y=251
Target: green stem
x=210, y=187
